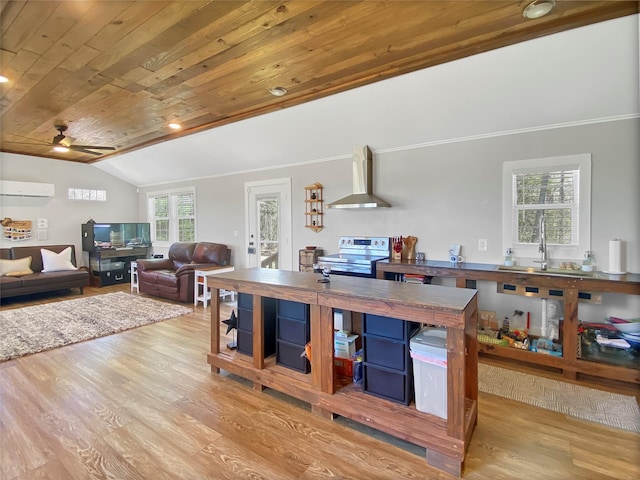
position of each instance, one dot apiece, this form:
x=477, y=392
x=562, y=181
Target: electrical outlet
x=482, y=244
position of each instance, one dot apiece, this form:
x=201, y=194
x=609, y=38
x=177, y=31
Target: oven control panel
x=365, y=245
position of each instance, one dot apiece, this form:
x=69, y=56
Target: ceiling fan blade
x=67, y=141
x=26, y=143
x=92, y=147
x=84, y=150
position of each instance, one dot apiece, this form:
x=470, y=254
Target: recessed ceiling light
x=175, y=126
x=3, y=79
x=538, y=8
x=278, y=91
x=60, y=149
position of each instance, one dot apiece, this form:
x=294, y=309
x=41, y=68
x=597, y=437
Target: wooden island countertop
x=445, y=440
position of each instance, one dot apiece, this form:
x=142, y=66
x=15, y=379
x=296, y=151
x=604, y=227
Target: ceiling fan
x=62, y=141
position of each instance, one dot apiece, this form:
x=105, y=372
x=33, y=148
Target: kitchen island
x=445, y=440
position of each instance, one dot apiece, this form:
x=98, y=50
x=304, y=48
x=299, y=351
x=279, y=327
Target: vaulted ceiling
x=116, y=73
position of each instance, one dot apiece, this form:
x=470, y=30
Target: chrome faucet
x=542, y=246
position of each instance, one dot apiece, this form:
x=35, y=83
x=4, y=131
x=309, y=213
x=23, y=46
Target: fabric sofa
x=173, y=277
x=23, y=276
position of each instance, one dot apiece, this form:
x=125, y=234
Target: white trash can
x=429, y=353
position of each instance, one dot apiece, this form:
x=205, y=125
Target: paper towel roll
x=615, y=256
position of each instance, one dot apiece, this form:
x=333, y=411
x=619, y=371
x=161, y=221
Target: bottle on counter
x=587, y=262
x=508, y=258
x=505, y=324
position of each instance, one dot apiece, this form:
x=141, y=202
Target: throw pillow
x=19, y=274
x=14, y=268
x=56, y=262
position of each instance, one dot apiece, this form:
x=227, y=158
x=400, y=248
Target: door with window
x=268, y=242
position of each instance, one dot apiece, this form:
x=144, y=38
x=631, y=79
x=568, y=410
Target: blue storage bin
x=295, y=310
x=386, y=353
x=388, y=384
x=389, y=327
x=245, y=319
x=288, y=355
x=244, y=341
x=293, y=331
x=245, y=325
x=245, y=300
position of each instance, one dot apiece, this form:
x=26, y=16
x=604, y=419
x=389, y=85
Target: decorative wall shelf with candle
x=314, y=207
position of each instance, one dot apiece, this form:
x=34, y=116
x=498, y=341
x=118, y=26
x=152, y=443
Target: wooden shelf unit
x=314, y=207
x=571, y=289
x=445, y=440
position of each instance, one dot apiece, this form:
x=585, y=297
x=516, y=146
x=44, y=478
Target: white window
x=87, y=194
x=172, y=216
x=558, y=188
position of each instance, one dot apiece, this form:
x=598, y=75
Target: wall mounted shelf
x=314, y=207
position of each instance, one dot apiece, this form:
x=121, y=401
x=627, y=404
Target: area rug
x=28, y=330
x=614, y=410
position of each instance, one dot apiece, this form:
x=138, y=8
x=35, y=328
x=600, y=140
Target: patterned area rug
x=614, y=410
x=42, y=327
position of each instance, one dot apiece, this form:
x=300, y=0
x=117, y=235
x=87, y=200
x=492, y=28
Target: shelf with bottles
x=314, y=207
x=594, y=297
x=530, y=325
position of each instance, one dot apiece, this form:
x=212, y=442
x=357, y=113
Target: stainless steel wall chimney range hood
x=362, y=196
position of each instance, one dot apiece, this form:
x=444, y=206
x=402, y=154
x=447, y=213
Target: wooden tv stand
x=445, y=441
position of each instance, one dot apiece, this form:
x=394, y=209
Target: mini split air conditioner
x=9, y=188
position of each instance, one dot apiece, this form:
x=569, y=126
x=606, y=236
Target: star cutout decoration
x=231, y=322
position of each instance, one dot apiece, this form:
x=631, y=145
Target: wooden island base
x=445, y=440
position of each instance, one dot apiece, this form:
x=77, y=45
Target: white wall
x=64, y=216
x=440, y=194
x=443, y=193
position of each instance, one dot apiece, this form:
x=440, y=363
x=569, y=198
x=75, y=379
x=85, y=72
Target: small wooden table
x=202, y=293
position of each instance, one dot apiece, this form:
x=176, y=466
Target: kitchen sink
x=548, y=271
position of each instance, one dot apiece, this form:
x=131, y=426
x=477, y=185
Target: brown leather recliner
x=173, y=277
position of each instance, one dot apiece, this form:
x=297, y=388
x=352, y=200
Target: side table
x=134, y=277
x=308, y=258
x=201, y=293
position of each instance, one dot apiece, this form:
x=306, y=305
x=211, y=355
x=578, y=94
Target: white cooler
x=429, y=353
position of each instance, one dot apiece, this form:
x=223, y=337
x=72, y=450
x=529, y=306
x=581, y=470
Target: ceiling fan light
x=61, y=149
x=538, y=8
x=278, y=91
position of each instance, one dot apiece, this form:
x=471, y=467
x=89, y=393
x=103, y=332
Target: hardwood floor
x=143, y=404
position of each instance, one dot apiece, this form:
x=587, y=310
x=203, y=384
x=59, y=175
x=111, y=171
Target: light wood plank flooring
x=143, y=404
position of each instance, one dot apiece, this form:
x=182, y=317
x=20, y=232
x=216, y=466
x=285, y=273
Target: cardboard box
x=343, y=367
x=487, y=319
x=344, y=345
x=342, y=321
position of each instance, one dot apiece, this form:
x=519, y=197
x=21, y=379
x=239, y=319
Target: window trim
x=509, y=211
x=173, y=216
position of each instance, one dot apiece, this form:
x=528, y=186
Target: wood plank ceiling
x=117, y=72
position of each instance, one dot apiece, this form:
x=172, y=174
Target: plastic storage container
x=292, y=334
x=245, y=324
x=429, y=353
